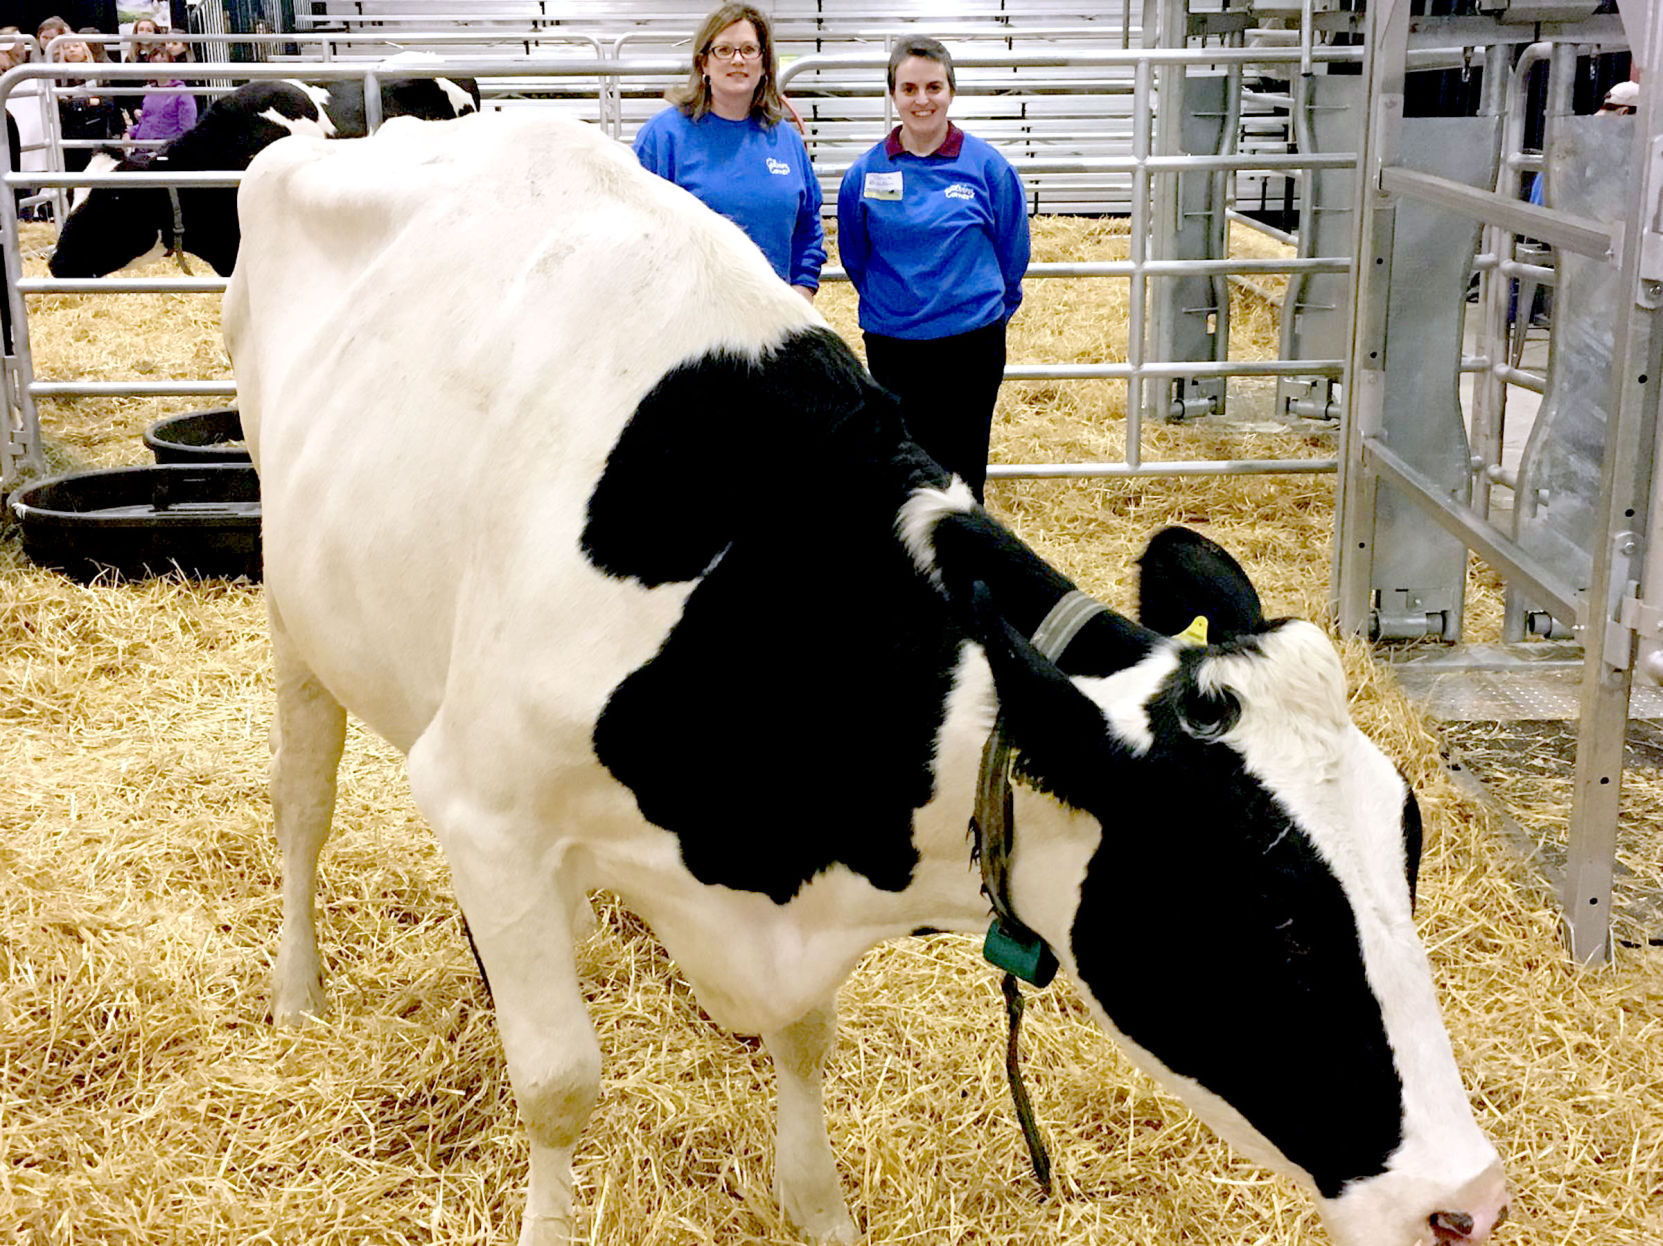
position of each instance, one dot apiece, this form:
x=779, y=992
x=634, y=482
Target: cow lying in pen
x=111, y=226
x=620, y=545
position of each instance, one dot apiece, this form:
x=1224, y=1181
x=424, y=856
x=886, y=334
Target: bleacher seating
x=1055, y=112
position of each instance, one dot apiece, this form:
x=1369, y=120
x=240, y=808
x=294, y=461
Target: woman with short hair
x=724, y=139
x=932, y=227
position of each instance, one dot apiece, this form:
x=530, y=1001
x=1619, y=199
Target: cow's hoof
x=547, y=1231
x=842, y=1233
x=292, y=1018
x=296, y=1004
x=824, y=1223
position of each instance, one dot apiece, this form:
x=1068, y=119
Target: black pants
x=947, y=387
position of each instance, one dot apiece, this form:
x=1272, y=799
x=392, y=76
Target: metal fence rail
x=1143, y=166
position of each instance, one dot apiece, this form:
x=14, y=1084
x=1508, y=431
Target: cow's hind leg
x=805, y=1171
x=519, y=912
x=308, y=734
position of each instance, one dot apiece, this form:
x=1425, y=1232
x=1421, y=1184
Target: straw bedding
x=145, y=1098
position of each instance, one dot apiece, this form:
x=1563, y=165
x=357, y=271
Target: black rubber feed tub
x=198, y=437
x=138, y=521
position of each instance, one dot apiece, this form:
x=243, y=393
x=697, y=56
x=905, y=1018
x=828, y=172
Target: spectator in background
x=95, y=43
x=11, y=54
x=84, y=116
x=49, y=30
x=137, y=51
x=165, y=115
x=724, y=139
x=23, y=111
x=1621, y=100
x=932, y=226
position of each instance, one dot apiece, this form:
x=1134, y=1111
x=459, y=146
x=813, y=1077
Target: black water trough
x=198, y=437
x=138, y=521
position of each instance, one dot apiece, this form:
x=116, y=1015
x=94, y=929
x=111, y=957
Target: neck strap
x=993, y=818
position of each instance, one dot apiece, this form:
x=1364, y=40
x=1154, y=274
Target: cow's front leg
x=805, y=1172
x=523, y=933
x=519, y=911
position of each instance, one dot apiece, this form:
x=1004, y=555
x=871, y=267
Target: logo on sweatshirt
x=959, y=190
x=778, y=167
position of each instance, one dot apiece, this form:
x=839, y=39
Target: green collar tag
x=1025, y=955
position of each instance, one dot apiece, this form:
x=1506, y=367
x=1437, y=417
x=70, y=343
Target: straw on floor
x=144, y=1098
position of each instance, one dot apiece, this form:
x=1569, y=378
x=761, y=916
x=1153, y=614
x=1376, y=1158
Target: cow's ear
x=1056, y=727
x=1182, y=574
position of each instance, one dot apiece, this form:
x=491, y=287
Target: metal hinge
x=1645, y=621
x=1635, y=621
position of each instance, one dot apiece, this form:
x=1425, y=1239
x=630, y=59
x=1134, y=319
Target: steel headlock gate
x=1577, y=548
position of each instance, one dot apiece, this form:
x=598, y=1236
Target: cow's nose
x=1458, y=1226
x=1451, y=1226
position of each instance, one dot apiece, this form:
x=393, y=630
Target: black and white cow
x=111, y=226
x=619, y=544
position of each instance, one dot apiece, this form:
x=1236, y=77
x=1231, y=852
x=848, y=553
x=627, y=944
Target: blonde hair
x=693, y=96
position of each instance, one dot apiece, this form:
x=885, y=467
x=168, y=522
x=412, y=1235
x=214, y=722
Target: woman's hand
x=806, y=292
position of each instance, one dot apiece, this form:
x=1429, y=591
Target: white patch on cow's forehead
x=101, y=162
x=916, y=520
x=1124, y=696
x=460, y=101
x=297, y=125
x=1295, y=736
x=320, y=97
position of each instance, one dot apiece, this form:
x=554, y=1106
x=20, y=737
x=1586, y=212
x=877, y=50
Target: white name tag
x=882, y=186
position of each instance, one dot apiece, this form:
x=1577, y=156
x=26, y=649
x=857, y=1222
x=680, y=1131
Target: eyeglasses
x=728, y=51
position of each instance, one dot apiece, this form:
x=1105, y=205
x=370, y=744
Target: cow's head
x=1235, y=891
x=108, y=227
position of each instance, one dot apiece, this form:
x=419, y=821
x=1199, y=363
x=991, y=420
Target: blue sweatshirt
x=758, y=176
x=936, y=245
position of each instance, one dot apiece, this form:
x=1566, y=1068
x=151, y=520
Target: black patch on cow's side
x=1215, y=937
x=788, y=722
x=424, y=98
x=400, y=97
x=478, y=960
x=724, y=445
x=1183, y=574
x=1411, y=838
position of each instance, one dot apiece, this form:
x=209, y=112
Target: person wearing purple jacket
x=166, y=115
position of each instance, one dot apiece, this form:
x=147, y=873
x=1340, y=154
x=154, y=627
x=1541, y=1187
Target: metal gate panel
x=1420, y=575
x=1316, y=312
x=1192, y=324
x=1558, y=497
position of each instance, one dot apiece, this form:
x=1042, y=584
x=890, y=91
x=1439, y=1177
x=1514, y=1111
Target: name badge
x=882, y=186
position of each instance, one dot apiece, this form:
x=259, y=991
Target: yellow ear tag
x=1196, y=632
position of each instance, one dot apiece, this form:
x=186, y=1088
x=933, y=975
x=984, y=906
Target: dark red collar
x=949, y=149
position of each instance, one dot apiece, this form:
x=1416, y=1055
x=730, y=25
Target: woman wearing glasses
x=723, y=140
x=932, y=226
